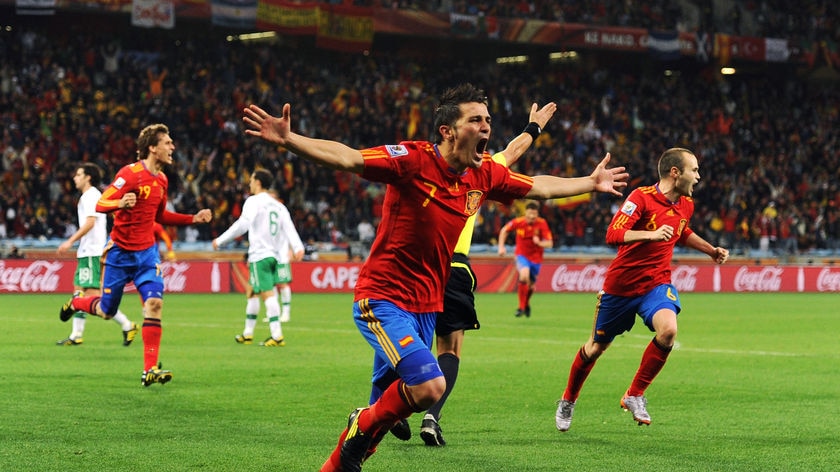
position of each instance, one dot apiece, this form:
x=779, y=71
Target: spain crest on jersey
x=473, y=202
x=682, y=225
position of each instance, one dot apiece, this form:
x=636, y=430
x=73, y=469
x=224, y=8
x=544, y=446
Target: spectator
x=366, y=232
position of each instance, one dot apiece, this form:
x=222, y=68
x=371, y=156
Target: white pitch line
x=478, y=338
x=678, y=347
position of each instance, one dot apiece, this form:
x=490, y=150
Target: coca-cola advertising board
x=701, y=278
x=200, y=276
x=39, y=276
x=497, y=277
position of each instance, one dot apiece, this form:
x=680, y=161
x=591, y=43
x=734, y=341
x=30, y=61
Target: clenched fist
x=203, y=216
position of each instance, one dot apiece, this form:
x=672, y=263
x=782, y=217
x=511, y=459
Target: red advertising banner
x=40, y=276
x=56, y=276
x=701, y=278
x=322, y=277
x=351, y=28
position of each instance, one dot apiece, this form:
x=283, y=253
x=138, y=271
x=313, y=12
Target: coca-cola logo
x=174, y=276
x=156, y=14
x=590, y=278
x=39, y=276
x=765, y=279
x=684, y=278
x=828, y=281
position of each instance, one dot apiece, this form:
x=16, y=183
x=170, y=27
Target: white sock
x=272, y=309
x=78, y=325
x=122, y=320
x=286, y=304
x=252, y=310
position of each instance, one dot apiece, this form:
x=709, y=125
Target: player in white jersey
x=285, y=255
x=92, y=235
x=292, y=251
x=271, y=238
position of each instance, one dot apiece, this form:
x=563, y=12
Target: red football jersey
x=640, y=266
x=134, y=227
x=525, y=233
x=426, y=206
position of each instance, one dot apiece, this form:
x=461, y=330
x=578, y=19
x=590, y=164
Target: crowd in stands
x=808, y=19
x=767, y=143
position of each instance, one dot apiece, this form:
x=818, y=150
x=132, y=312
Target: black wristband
x=533, y=129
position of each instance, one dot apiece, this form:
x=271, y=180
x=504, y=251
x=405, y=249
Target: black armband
x=533, y=129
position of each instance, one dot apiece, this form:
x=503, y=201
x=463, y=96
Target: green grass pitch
x=753, y=385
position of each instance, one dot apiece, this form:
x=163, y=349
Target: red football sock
x=86, y=304
x=394, y=405
x=151, y=342
x=581, y=367
x=522, y=290
x=333, y=463
x=652, y=362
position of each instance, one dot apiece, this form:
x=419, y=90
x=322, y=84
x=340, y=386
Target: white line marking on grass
x=618, y=344
x=678, y=346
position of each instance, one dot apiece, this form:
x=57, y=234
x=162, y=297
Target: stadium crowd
x=809, y=19
x=766, y=142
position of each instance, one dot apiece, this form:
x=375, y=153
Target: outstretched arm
x=517, y=147
x=277, y=130
x=605, y=180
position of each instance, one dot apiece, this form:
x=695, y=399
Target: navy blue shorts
x=616, y=314
x=121, y=267
x=533, y=267
x=396, y=334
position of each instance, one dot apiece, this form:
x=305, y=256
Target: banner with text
x=319, y=277
x=56, y=276
x=287, y=17
x=40, y=276
x=153, y=14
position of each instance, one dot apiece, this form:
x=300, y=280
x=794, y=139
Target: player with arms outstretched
x=432, y=188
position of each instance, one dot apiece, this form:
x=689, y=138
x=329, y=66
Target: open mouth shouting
x=479, y=149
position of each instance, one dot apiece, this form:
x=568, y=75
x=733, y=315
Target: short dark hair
x=532, y=206
x=93, y=171
x=264, y=177
x=448, y=110
x=674, y=157
x=149, y=136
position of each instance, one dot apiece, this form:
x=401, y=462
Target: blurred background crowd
x=766, y=141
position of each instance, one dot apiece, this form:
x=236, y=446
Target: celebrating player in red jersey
x=432, y=189
x=137, y=196
x=638, y=281
x=533, y=237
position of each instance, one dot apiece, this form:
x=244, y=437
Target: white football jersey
x=269, y=227
x=91, y=243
